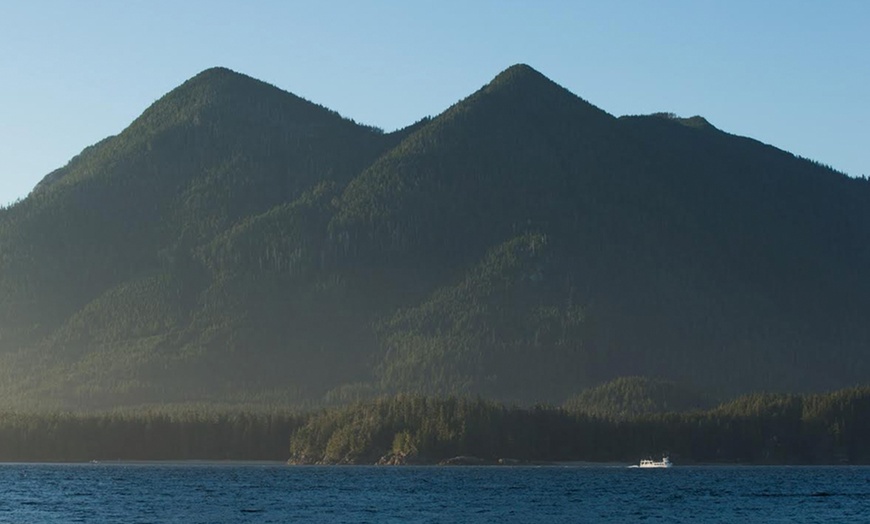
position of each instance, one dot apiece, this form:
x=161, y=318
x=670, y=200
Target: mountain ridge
x=239, y=242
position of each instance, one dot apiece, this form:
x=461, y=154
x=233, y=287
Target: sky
x=791, y=73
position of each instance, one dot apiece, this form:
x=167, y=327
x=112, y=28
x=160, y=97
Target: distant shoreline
x=134, y=462
x=553, y=465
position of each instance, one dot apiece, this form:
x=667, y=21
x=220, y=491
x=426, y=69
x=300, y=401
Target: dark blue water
x=140, y=493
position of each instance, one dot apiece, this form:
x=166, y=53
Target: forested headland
x=832, y=428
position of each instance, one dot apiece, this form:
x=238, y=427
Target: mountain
x=101, y=281
x=239, y=244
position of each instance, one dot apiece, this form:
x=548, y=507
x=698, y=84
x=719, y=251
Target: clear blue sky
x=792, y=73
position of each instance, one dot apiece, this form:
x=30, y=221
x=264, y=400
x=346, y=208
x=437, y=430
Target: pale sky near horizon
x=791, y=73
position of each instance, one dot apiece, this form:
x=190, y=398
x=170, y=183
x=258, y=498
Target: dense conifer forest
x=831, y=428
x=238, y=244
x=755, y=429
x=193, y=433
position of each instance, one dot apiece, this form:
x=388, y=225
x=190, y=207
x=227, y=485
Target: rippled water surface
x=207, y=493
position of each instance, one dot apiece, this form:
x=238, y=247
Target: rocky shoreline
x=404, y=459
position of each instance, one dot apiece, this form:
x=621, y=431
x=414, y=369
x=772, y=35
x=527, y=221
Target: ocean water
x=217, y=493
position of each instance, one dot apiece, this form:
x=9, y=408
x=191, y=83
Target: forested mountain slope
x=238, y=243
x=100, y=275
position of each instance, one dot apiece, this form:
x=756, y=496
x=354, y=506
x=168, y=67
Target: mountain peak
x=215, y=102
x=220, y=82
x=222, y=90
x=216, y=77
x=697, y=121
x=520, y=77
x=521, y=85
x=518, y=72
x=218, y=71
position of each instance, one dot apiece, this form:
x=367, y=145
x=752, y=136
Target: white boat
x=665, y=462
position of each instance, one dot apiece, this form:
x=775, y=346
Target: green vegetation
x=628, y=397
x=198, y=434
x=756, y=429
x=411, y=429
x=237, y=243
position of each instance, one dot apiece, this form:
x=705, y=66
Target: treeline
x=832, y=428
x=758, y=429
x=70, y=437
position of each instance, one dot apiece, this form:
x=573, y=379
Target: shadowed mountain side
x=628, y=397
x=499, y=163
x=238, y=243
x=220, y=147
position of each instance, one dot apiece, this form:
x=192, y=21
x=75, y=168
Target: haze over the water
x=792, y=74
